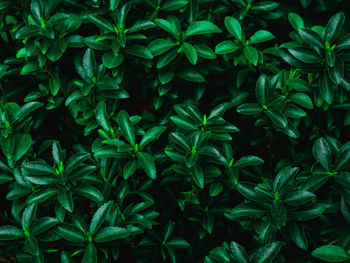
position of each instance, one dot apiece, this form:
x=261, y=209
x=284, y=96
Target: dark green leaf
x=146, y=161
x=110, y=233
x=330, y=253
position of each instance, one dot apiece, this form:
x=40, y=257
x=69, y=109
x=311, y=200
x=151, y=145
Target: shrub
x=174, y=131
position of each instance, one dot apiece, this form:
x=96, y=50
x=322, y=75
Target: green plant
x=211, y=131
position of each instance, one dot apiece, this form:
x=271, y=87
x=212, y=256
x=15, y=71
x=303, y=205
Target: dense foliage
x=210, y=131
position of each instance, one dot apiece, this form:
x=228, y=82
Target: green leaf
x=110, y=233
x=38, y=168
x=167, y=26
x=174, y=5
x=261, y=36
x=198, y=176
x=277, y=118
x=278, y=214
x=190, y=52
x=251, y=54
x=110, y=61
x=108, y=152
x=296, y=21
x=268, y=252
x=292, y=111
x=311, y=37
x=322, y=153
x=330, y=253
x=102, y=116
x=3, y=68
x=249, y=109
x=336, y=73
x=284, y=177
x=215, y=188
x=330, y=58
x=302, y=99
x=245, y=210
x=4, y=4
x=239, y=253
x=166, y=58
x=299, y=198
x=99, y=217
x=226, y=47
x=36, y=8
x=30, y=68
x=247, y=189
x=146, y=161
x=24, y=32
x=70, y=233
x=220, y=110
x=298, y=236
x=101, y=23
x=180, y=140
x=183, y=124
x=89, y=191
x=308, y=213
x=178, y=243
x=41, y=195
x=342, y=159
x=233, y=27
x=160, y=46
x=8, y=146
x=57, y=153
x=127, y=130
x=28, y=108
x=191, y=75
x=89, y=63
x=248, y=160
x=113, y=4
x=139, y=51
x=90, y=254
x=31, y=245
x=265, y=6
x=28, y=216
x=43, y=224
x=130, y=168
x=326, y=88
x=306, y=55
x=262, y=91
x=151, y=135
x=201, y=28
x=66, y=200
x=334, y=26
x=205, y=52
x=10, y=233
